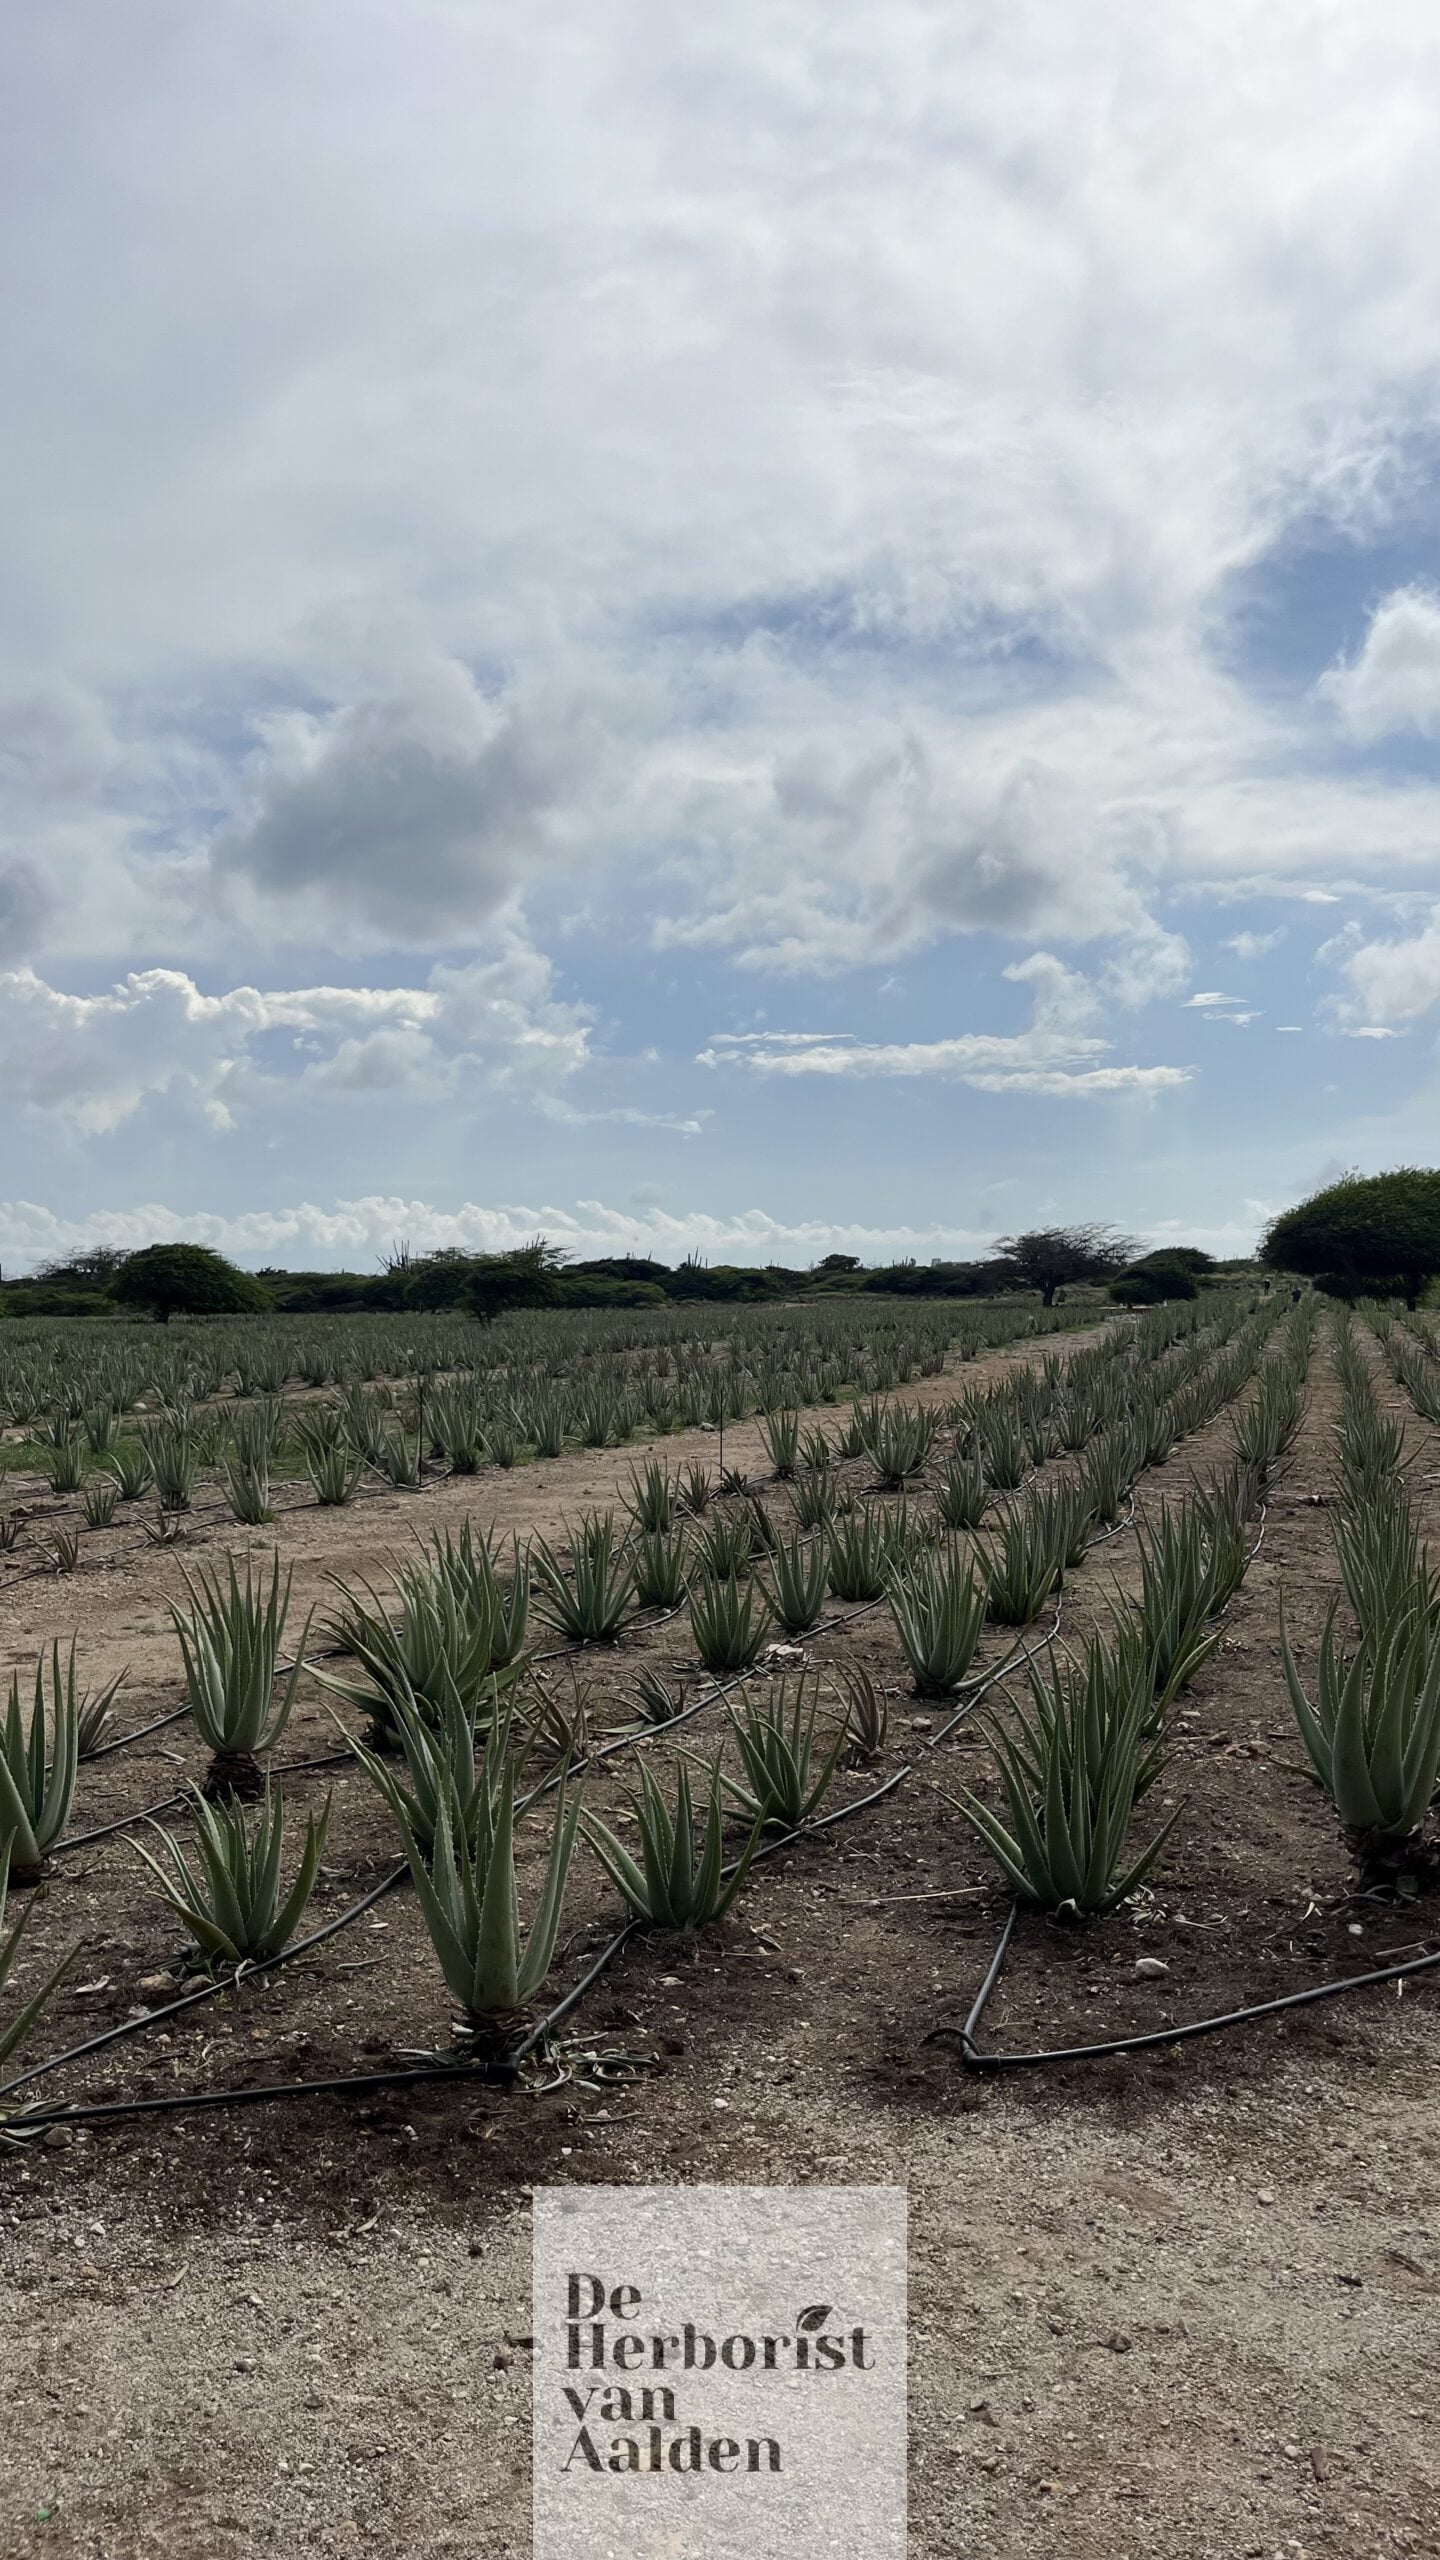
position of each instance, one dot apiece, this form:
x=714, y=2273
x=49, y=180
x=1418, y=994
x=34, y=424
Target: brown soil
x=1173, y=2304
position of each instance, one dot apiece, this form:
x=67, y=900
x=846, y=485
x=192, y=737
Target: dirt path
x=1180, y=2307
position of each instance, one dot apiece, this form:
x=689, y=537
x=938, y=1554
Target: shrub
x=1153, y=1286
x=186, y=1279
x=1378, y=1235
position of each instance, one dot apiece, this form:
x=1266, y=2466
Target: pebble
x=1265, y=2195
x=1150, y=1968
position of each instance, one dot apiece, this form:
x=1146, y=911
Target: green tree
x=187, y=1280
x=1049, y=1258
x=1375, y=1235
x=1154, y=1284
x=525, y=1277
x=486, y=1284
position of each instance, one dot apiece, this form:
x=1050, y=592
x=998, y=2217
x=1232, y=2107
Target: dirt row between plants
x=1176, y=2305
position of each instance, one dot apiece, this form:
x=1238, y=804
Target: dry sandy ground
x=1188, y=2312
x=1210, y=2331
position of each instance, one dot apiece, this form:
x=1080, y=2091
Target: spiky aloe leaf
x=38, y=1765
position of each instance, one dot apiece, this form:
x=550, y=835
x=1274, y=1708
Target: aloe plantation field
x=442, y=1760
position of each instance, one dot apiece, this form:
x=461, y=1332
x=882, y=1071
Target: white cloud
x=1056, y=1056
x=1211, y=997
x=1394, y=684
x=1395, y=981
x=767, y=484
x=639, y=467
x=1253, y=946
x=410, y=815
x=93, y=1061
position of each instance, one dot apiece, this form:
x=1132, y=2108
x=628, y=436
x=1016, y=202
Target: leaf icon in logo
x=814, y=2318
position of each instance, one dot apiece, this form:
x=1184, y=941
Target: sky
x=811, y=626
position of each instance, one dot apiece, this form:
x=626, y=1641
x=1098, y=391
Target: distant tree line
x=1376, y=1235
x=168, y=1279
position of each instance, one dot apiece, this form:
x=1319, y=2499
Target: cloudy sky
x=810, y=624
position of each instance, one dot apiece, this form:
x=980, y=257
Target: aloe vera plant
x=99, y=1498
x=437, y=1745
x=867, y=1714
x=1373, y=1730
x=796, y=1581
x=174, y=1461
x=655, y=1700
x=469, y=1899
x=780, y=1433
x=938, y=1606
x=814, y=1500
x=1382, y=1562
x=1191, y=1560
x=1021, y=1565
x=661, y=1566
x=679, y=1879
x=334, y=1469
x=130, y=1466
x=651, y=1499
x=725, y=1547
x=589, y=1604
x=730, y=1622
x=247, y=1489
x=899, y=1439
x=14, y=2030
x=459, y=1626
x=38, y=1763
x=859, y=1557
x=230, y=1639
x=1107, y=1471
x=962, y=1496
x=786, y=1773
x=1002, y=1445
x=1071, y=1784
x=232, y=1900
x=65, y=1463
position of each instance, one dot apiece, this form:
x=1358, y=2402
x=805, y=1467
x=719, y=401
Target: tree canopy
x=1367, y=1235
x=485, y=1284
x=186, y=1279
x=1047, y=1258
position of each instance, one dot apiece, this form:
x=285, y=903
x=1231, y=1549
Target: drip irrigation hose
x=976, y=2058
x=123, y=1741
x=492, y=2070
x=124, y=1822
x=189, y=2101
x=211, y=1990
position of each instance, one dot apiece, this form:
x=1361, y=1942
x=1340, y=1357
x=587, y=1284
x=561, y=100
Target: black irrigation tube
x=123, y=1741
x=124, y=1822
x=191, y=2101
x=212, y=1990
x=977, y=2058
x=167, y=1804
x=499, y=2070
